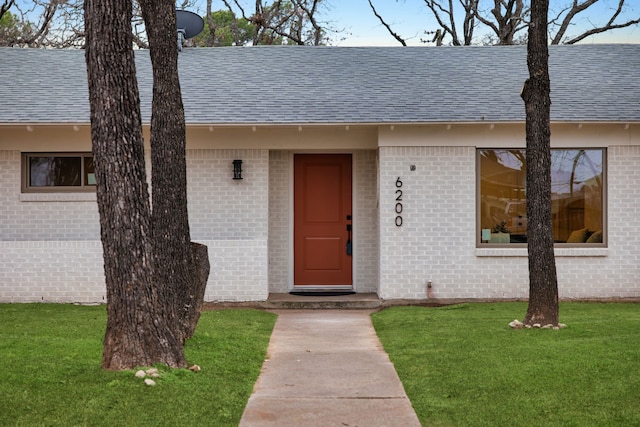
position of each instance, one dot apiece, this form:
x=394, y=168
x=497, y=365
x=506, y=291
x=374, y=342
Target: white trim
x=290, y=284
x=511, y=135
x=59, y=197
x=354, y=226
x=522, y=252
x=294, y=124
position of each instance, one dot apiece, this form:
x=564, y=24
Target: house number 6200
x=398, y=202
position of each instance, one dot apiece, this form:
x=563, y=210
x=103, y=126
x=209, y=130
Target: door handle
x=349, y=244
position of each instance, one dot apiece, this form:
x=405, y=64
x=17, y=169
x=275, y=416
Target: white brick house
x=416, y=149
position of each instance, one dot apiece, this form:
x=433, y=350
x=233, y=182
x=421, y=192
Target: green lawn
x=462, y=365
x=50, y=372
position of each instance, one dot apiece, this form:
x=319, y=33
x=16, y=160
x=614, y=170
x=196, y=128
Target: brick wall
x=239, y=270
x=48, y=217
x=58, y=271
x=49, y=243
x=50, y=249
x=365, y=234
x=221, y=208
x=436, y=241
x=279, y=220
x=231, y=217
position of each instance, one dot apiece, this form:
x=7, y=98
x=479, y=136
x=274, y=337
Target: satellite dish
x=189, y=25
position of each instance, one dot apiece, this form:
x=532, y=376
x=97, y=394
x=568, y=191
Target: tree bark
x=543, y=284
x=179, y=283
x=138, y=332
x=192, y=304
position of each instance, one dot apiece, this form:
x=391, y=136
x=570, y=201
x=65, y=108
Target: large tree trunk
x=543, y=284
x=193, y=301
x=138, y=332
x=181, y=286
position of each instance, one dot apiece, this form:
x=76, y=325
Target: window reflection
x=54, y=171
x=577, y=195
x=89, y=171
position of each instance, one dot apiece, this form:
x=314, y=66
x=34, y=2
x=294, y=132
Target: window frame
x=478, y=228
x=25, y=186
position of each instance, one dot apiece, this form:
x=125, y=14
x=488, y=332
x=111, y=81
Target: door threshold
x=322, y=290
x=325, y=293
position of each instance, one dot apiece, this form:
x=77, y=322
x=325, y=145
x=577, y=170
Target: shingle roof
x=291, y=85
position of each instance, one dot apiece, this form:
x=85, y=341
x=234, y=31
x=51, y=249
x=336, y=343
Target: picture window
x=577, y=196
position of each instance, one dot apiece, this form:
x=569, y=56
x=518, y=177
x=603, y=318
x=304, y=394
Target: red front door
x=322, y=212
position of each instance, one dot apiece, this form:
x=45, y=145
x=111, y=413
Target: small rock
x=549, y=326
x=140, y=374
x=195, y=368
x=516, y=324
x=152, y=371
x=150, y=382
x=537, y=325
x=561, y=325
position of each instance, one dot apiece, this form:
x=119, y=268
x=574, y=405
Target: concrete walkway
x=327, y=368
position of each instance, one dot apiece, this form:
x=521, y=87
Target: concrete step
x=362, y=301
x=278, y=301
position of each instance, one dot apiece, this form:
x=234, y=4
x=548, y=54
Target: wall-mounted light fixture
x=237, y=169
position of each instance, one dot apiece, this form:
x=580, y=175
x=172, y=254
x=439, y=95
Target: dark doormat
x=321, y=293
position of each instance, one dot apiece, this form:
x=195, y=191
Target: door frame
x=354, y=222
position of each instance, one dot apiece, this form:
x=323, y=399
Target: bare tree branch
x=572, y=12
x=212, y=26
x=311, y=14
x=445, y=15
x=35, y=39
x=60, y=23
x=554, y=21
x=294, y=20
x=6, y=5
x=508, y=17
x=436, y=8
x=507, y=20
x=580, y=7
x=234, y=24
x=602, y=30
x=387, y=26
x=265, y=17
x=470, y=7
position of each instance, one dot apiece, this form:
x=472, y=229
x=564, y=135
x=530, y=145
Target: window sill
x=559, y=252
x=58, y=197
